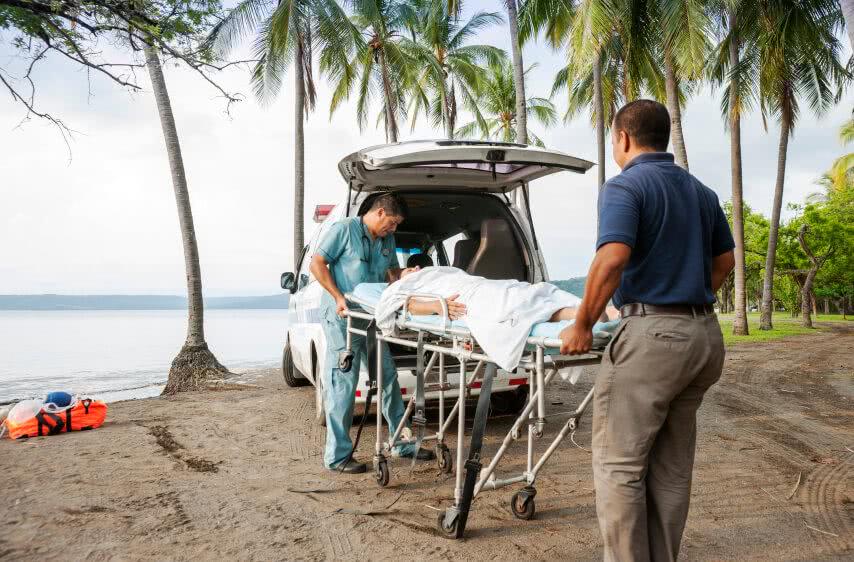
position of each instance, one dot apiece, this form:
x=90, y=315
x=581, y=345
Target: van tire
x=293, y=378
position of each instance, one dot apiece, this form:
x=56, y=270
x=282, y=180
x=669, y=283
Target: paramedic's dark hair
x=392, y=204
x=647, y=122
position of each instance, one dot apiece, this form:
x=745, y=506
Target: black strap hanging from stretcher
x=419, y=418
x=473, y=464
x=372, y=348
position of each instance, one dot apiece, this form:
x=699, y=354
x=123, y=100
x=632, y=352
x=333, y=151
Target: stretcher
x=435, y=339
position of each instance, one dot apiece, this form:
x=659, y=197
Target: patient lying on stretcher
x=460, y=279
x=500, y=314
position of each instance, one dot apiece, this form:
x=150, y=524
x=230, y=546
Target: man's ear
x=626, y=141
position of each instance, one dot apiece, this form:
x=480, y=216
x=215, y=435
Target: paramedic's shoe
x=353, y=467
x=421, y=455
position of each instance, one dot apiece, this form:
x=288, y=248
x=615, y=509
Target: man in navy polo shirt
x=663, y=250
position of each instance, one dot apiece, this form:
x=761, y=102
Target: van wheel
x=289, y=370
x=319, y=411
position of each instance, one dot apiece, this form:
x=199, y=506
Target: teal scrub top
x=354, y=258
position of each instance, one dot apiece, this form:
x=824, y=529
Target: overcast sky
x=105, y=222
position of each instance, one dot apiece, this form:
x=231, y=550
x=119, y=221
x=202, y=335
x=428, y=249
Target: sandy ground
x=237, y=475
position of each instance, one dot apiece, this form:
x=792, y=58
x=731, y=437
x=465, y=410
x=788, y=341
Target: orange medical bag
x=86, y=414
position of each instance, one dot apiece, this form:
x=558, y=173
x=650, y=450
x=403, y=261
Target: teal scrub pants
x=340, y=390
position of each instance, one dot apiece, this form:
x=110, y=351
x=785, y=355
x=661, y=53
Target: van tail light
x=321, y=212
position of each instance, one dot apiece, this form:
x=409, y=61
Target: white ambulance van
x=468, y=207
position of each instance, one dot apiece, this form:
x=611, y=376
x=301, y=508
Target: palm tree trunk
x=599, y=115
x=848, y=14
x=390, y=121
x=518, y=73
x=739, y=323
x=671, y=85
x=770, y=258
x=299, y=153
x=194, y=365
x=446, y=111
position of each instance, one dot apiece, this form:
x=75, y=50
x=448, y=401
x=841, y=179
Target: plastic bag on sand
x=24, y=410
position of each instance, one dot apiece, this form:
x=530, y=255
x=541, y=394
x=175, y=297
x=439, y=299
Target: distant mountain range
x=135, y=302
x=574, y=285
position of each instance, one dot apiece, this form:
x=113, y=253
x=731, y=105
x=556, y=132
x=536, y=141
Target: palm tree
x=518, y=73
x=840, y=173
x=576, y=27
x=195, y=365
x=609, y=62
x=736, y=17
x=798, y=53
x=497, y=101
x=365, y=53
x=685, y=44
x=438, y=45
x=283, y=38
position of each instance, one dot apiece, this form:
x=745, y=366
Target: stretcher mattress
x=368, y=295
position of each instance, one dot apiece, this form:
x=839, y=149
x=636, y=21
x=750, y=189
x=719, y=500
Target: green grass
x=784, y=325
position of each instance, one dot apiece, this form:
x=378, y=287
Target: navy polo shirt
x=674, y=225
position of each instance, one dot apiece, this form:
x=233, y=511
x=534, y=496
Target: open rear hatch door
x=483, y=166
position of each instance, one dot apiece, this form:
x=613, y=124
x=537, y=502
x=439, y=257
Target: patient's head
x=419, y=260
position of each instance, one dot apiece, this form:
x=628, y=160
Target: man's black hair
x=391, y=204
x=647, y=122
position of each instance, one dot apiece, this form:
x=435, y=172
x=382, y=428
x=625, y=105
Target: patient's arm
x=420, y=307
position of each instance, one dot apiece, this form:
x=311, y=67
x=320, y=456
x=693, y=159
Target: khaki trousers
x=651, y=383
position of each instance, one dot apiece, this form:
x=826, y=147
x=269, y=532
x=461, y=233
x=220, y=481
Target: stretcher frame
x=448, y=340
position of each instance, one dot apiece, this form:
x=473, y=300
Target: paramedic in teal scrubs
x=356, y=250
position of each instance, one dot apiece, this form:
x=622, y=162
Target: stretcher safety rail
x=440, y=337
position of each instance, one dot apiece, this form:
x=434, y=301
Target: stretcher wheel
x=443, y=457
x=449, y=531
x=381, y=473
x=522, y=505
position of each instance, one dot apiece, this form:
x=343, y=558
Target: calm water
x=115, y=355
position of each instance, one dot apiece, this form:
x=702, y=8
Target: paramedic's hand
x=341, y=306
x=456, y=309
x=576, y=340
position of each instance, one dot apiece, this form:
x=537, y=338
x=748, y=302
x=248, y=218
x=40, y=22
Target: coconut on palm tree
x=799, y=62
x=497, y=102
x=195, y=366
x=450, y=69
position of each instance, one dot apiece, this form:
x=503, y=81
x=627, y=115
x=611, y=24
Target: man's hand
x=456, y=309
x=341, y=306
x=576, y=340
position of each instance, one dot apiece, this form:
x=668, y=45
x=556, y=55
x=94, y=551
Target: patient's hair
x=647, y=122
x=391, y=204
x=419, y=260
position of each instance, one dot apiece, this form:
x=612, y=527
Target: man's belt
x=641, y=309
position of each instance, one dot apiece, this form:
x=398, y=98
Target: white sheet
x=500, y=314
